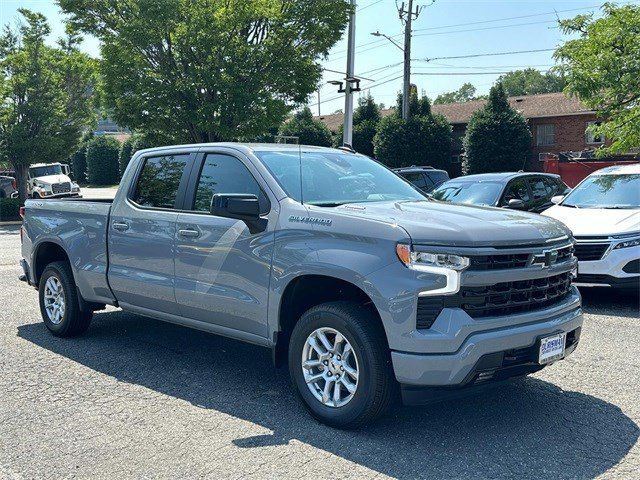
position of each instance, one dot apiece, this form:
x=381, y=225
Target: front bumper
x=455, y=367
x=611, y=270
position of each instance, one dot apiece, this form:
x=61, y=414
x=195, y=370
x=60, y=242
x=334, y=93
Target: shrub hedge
x=102, y=161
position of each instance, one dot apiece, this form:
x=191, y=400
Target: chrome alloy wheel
x=54, y=301
x=330, y=367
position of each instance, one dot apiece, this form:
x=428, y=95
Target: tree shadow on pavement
x=525, y=429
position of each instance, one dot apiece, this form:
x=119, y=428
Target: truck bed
x=79, y=226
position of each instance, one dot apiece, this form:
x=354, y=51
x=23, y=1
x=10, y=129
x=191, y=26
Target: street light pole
x=347, y=137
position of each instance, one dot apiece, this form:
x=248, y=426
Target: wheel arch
x=46, y=252
x=306, y=291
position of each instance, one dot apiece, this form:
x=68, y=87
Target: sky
x=444, y=28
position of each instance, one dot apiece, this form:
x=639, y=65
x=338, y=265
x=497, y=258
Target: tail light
x=14, y=185
x=21, y=211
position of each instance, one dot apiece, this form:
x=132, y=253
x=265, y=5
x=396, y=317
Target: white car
x=603, y=212
x=51, y=180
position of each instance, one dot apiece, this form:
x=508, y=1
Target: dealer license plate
x=552, y=348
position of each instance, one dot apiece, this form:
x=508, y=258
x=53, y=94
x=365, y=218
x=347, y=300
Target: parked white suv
x=603, y=212
x=51, y=180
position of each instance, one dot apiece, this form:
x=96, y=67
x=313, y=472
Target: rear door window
x=159, y=181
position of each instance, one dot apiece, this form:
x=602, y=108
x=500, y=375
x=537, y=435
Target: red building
x=558, y=124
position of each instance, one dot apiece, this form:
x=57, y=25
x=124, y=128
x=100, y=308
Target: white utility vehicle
x=51, y=180
x=603, y=212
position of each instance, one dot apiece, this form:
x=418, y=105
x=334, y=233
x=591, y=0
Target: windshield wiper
x=327, y=204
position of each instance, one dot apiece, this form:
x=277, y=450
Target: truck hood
x=596, y=221
x=439, y=223
x=51, y=179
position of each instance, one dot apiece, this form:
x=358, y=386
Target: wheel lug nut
x=325, y=363
x=329, y=374
x=339, y=357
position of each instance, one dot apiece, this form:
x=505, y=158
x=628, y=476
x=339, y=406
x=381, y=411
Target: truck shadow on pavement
x=523, y=429
x=601, y=300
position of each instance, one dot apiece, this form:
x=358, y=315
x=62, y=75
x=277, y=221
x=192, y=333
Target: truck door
x=222, y=269
x=142, y=231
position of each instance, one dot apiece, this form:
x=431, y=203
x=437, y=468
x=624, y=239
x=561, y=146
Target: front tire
x=59, y=302
x=340, y=365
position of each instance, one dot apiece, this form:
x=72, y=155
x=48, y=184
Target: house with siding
x=558, y=124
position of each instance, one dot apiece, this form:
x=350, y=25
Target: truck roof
x=44, y=164
x=251, y=147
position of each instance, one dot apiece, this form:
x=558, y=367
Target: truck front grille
x=505, y=261
x=61, y=188
x=506, y=298
x=514, y=297
x=588, y=252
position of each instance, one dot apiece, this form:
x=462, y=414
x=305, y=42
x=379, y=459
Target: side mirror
x=240, y=206
x=516, y=204
x=557, y=199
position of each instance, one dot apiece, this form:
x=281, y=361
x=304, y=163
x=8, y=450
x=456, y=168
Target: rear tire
x=59, y=302
x=373, y=387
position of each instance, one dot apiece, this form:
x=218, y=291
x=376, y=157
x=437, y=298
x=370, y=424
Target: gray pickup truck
x=368, y=290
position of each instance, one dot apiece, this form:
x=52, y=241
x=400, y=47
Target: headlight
x=417, y=260
x=447, y=265
x=629, y=243
x=75, y=187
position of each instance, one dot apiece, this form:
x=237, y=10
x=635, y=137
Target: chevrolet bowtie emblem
x=545, y=259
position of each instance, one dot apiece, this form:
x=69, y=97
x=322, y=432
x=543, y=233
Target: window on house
x=545, y=135
x=589, y=135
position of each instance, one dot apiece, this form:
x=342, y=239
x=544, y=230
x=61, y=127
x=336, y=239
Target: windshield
x=45, y=170
x=477, y=193
x=331, y=178
x=606, y=191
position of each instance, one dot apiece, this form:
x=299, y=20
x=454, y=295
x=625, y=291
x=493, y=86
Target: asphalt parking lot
x=136, y=397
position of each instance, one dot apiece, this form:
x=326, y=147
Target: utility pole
x=347, y=138
x=410, y=15
x=319, y=114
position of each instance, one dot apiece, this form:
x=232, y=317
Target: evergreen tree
x=424, y=139
x=497, y=138
x=308, y=130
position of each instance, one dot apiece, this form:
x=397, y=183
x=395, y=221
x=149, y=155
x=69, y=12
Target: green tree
x=308, y=130
x=497, y=138
x=602, y=67
x=47, y=96
x=366, y=118
x=531, y=81
x=465, y=93
x=125, y=154
x=208, y=70
x=78, y=159
x=424, y=139
x=102, y=160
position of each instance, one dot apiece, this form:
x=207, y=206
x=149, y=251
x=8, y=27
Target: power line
x=508, y=18
x=370, y=5
x=475, y=55
x=485, y=28
x=380, y=43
